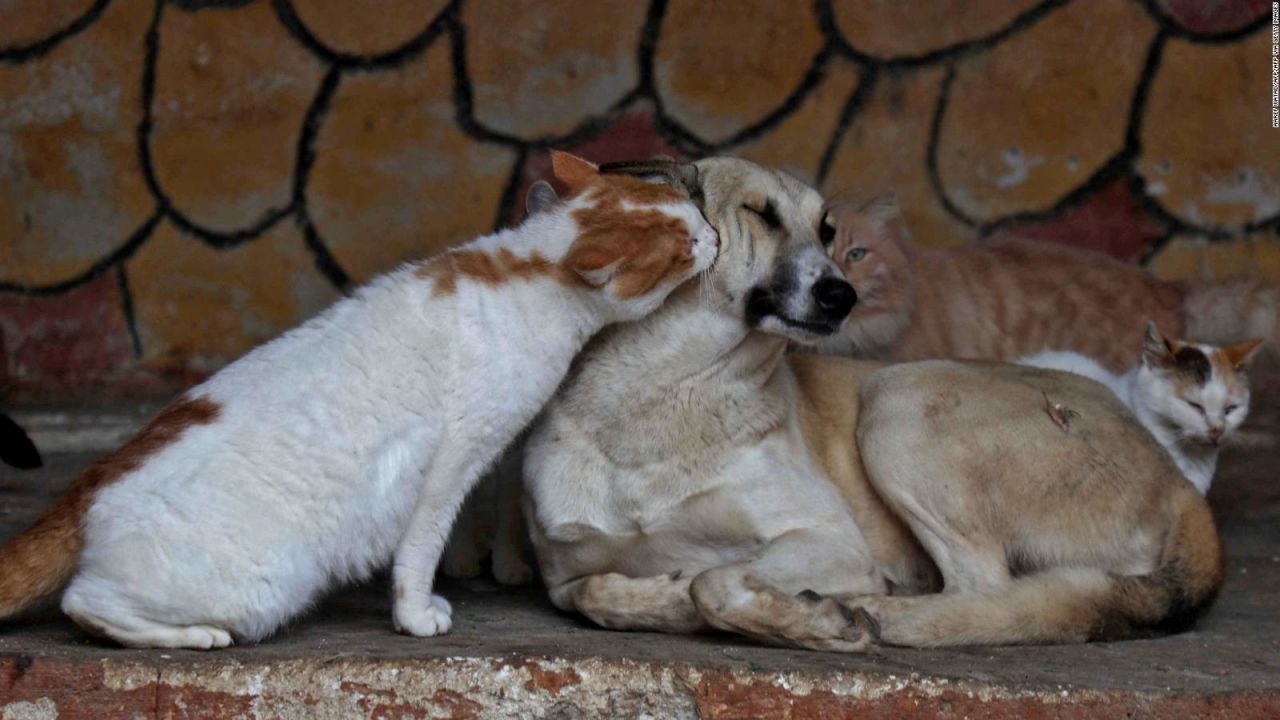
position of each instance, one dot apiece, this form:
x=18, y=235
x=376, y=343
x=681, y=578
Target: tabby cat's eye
x=855, y=254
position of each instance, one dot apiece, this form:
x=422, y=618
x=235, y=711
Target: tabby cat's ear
x=540, y=197
x=1156, y=351
x=572, y=170
x=1241, y=354
x=882, y=208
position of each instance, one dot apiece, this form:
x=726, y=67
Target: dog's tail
x=1233, y=311
x=1075, y=604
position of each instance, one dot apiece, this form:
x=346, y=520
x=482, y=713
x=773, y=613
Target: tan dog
x=690, y=475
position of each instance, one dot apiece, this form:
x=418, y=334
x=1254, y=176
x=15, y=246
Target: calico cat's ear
x=572, y=170
x=540, y=197
x=1241, y=354
x=1156, y=351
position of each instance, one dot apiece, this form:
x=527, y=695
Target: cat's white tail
x=40, y=561
x=1233, y=311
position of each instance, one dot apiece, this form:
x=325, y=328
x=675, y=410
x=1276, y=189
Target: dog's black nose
x=835, y=297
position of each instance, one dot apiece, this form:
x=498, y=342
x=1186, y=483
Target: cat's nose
x=835, y=297
x=1215, y=433
x=708, y=234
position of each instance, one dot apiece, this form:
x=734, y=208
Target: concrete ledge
x=511, y=655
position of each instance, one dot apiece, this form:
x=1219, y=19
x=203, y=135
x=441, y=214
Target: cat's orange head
x=869, y=243
x=636, y=240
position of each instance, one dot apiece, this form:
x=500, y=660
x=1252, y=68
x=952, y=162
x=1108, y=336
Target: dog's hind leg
x=618, y=602
x=779, y=598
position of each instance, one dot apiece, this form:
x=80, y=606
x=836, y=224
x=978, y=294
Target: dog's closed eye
x=768, y=214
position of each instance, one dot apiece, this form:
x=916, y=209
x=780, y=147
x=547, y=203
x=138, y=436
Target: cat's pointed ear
x=540, y=197
x=883, y=208
x=1241, y=354
x=572, y=170
x=1156, y=351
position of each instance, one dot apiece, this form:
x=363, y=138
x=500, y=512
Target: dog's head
x=772, y=271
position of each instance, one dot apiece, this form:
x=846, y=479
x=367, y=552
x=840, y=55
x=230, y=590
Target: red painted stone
x=73, y=336
x=1214, y=16
x=631, y=137
x=1110, y=221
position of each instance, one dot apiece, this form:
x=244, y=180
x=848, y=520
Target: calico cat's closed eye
x=1195, y=405
x=855, y=254
x=1232, y=408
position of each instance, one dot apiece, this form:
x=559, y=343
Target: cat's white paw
x=205, y=637
x=413, y=618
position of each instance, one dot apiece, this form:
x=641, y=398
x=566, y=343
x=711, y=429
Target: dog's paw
x=509, y=569
x=461, y=561
x=435, y=618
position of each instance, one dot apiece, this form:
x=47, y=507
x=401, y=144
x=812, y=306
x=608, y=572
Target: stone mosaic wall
x=182, y=180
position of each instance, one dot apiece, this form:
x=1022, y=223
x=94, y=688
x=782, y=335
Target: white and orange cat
x=1190, y=397
x=352, y=439
x=1002, y=298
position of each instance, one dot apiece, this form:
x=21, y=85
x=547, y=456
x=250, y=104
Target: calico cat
x=1190, y=397
x=1004, y=298
x=353, y=438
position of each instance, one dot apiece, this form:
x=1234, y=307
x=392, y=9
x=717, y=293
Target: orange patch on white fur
x=492, y=269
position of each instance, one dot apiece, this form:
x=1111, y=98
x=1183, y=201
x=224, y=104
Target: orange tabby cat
x=1005, y=298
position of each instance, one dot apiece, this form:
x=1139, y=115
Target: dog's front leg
x=618, y=602
x=779, y=597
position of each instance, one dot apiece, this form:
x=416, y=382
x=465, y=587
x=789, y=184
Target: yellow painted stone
x=1209, y=153
x=796, y=145
x=232, y=89
x=1254, y=256
x=720, y=67
x=539, y=67
x=394, y=178
x=71, y=190
x=1031, y=119
x=199, y=308
x=24, y=23
x=892, y=28
x=885, y=148
x=367, y=27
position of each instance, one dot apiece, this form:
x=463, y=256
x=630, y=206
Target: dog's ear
x=540, y=197
x=683, y=175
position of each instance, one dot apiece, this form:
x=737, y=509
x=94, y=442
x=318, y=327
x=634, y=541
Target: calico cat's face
x=637, y=241
x=1200, y=391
